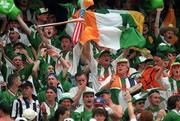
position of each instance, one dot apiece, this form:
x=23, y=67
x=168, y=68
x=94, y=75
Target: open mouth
x=49, y=33
x=170, y=37
x=18, y=65
x=106, y=60
x=120, y=69
x=64, y=46
x=177, y=72
x=89, y=101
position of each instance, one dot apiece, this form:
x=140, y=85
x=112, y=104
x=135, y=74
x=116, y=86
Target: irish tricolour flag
x=116, y=29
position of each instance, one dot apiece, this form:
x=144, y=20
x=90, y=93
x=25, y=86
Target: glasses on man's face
x=140, y=103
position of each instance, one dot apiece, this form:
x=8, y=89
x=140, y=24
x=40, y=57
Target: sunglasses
x=140, y=103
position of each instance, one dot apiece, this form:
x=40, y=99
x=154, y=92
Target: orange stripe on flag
x=89, y=27
x=89, y=30
x=170, y=18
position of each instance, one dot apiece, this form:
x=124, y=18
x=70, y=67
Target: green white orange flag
x=115, y=30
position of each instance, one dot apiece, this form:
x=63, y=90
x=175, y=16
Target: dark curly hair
x=171, y=103
x=100, y=110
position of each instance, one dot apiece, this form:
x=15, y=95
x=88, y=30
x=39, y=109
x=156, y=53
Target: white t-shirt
x=73, y=91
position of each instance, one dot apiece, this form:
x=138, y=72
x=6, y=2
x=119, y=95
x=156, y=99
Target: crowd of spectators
x=44, y=76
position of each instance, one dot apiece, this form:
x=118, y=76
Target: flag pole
x=61, y=23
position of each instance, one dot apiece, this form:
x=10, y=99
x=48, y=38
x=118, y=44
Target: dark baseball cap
x=102, y=92
x=26, y=84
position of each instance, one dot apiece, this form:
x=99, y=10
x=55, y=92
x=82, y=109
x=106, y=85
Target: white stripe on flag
x=76, y=32
x=10, y=64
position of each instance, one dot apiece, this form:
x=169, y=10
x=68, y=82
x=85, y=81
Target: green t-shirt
x=26, y=71
x=7, y=98
x=83, y=116
x=66, y=84
x=171, y=81
x=34, y=39
x=41, y=95
x=125, y=116
x=172, y=116
x=43, y=71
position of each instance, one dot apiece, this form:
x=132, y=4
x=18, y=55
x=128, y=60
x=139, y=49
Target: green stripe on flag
x=128, y=19
x=131, y=37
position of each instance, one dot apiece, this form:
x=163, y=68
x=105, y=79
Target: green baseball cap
x=41, y=11
x=141, y=59
x=65, y=96
x=102, y=92
x=139, y=96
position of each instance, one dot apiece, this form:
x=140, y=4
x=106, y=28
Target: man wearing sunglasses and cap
x=138, y=101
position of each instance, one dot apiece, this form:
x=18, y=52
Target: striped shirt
x=20, y=104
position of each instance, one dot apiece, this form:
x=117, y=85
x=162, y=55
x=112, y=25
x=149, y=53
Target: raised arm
x=156, y=26
x=24, y=26
x=4, y=23
x=128, y=99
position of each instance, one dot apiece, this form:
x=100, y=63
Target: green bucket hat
x=165, y=48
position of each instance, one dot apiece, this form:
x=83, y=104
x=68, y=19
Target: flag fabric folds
x=114, y=30
x=170, y=18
